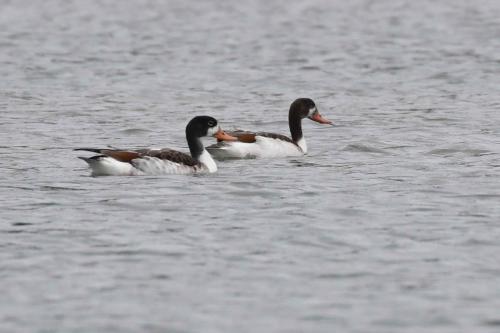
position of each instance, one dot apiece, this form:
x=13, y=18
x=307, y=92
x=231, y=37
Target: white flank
x=154, y=166
x=107, y=166
x=263, y=147
x=207, y=160
x=303, y=145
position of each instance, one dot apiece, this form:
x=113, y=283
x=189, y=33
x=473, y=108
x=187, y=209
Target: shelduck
x=266, y=145
x=115, y=162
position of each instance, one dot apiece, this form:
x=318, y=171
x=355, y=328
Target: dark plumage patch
x=128, y=156
x=275, y=136
x=243, y=136
x=91, y=159
x=249, y=137
x=169, y=154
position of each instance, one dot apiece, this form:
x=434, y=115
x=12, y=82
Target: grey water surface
x=391, y=223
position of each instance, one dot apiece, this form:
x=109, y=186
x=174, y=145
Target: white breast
x=303, y=145
x=207, y=160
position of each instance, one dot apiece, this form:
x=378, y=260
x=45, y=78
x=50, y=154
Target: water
x=390, y=224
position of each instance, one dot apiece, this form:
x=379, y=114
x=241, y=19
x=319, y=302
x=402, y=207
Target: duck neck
x=295, y=123
x=195, y=146
x=200, y=154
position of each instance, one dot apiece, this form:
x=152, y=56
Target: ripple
x=340, y=275
x=310, y=68
x=466, y=151
x=303, y=163
x=264, y=194
x=492, y=322
x=58, y=188
x=363, y=148
x=21, y=224
x=134, y=131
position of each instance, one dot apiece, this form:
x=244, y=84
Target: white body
x=108, y=166
x=263, y=147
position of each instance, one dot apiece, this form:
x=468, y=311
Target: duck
x=119, y=162
x=268, y=145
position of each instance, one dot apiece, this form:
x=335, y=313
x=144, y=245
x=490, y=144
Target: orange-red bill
x=223, y=136
x=320, y=119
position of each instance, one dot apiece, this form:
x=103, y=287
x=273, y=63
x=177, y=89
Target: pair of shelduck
x=236, y=144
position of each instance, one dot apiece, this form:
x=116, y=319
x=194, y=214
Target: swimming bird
x=116, y=162
x=264, y=144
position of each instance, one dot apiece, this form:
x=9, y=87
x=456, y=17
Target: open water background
x=389, y=224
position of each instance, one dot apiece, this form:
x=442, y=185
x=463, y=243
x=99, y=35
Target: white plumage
x=116, y=162
x=147, y=165
x=263, y=147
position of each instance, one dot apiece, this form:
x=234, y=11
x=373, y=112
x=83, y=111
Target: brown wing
x=249, y=137
x=162, y=154
x=120, y=155
x=243, y=136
